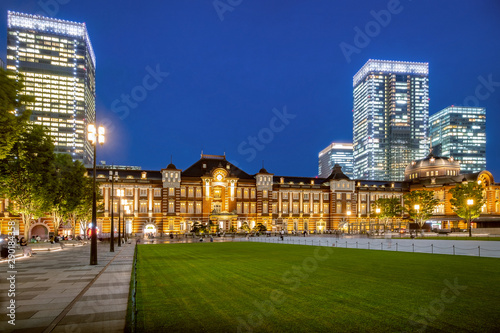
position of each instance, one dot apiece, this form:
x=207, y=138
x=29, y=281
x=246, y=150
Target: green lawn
x=258, y=287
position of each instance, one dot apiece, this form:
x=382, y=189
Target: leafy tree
x=461, y=193
x=67, y=189
x=25, y=173
x=426, y=204
x=10, y=99
x=245, y=227
x=260, y=227
x=389, y=208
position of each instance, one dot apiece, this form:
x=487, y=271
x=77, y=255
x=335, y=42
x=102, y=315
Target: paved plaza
x=58, y=291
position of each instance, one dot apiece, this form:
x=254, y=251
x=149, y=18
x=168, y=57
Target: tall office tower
x=336, y=153
x=460, y=132
x=390, y=118
x=2, y=64
x=58, y=64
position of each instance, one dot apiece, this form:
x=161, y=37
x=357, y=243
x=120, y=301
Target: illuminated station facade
x=214, y=190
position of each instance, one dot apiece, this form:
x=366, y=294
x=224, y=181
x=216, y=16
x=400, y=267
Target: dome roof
x=171, y=166
x=432, y=166
x=263, y=171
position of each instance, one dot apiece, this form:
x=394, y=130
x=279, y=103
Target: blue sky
x=267, y=80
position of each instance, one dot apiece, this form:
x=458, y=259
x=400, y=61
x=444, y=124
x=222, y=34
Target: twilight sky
x=268, y=80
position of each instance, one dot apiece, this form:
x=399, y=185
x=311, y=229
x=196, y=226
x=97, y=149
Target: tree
x=419, y=205
x=260, y=227
x=245, y=227
x=389, y=208
x=67, y=189
x=24, y=174
x=11, y=100
x=467, y=200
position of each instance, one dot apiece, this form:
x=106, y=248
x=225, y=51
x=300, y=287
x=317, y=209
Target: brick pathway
x=60, y=292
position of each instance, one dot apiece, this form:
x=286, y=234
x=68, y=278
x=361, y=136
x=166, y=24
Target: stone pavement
x=58, y=291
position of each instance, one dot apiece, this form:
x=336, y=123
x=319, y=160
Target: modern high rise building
x=56, y=59
x=336, y=153
x=2, y=64
x=390, y=118
x=460, y=132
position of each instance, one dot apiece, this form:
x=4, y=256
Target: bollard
x=453, y=249
x=479, y=250
x=356, y=244
x=336, y=245
x=413, y=246
x=432, y=248
x=346, y=244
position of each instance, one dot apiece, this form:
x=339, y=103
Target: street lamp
x=127, y=212
x=112, y=178
x=470, y=202
x=417, y=208
x=119, y=194
x=94, y=135
x=377, y=210
x=348, y=225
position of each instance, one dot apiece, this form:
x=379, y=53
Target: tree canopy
x=461, y=194
x=426, y=204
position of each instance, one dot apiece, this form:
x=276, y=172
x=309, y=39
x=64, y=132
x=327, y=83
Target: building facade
x=214, y=192
x=336, y=153
x=460, y=132
x=390, y=118
x=56, y=59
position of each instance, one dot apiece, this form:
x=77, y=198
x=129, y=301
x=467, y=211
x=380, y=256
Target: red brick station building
x=212, y=189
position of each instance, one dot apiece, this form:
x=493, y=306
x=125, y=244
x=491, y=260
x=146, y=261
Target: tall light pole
x=377, y=210
x=119, y=193
x=127, y=212
x=95, y=135
x=417, y=208
x=348, y=225
x=112, y=178
x=470, y=202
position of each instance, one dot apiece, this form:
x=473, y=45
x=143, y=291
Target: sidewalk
x=60, y=291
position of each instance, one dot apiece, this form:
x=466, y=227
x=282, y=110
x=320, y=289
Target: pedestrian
x=305, y=232
x=26, y=249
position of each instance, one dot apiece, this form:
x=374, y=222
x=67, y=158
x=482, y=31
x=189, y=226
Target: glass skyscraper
x=58, y=64
x=390, y=118
x=336, y=153
x=460, y=132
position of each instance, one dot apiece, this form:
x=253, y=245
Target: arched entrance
x=39, y=230
x=150, y=230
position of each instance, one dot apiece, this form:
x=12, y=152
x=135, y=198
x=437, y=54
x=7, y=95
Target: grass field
x=256, y=287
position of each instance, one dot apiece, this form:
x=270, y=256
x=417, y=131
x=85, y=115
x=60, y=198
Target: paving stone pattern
x=51, y=296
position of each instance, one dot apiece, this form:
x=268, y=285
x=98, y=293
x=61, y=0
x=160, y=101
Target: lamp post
x=119, y=193
x=377, y=211
x=470, y=202
x=94, y=135
x=348, y=213
x=112, y=178
x=417, y=208
x=127, y=212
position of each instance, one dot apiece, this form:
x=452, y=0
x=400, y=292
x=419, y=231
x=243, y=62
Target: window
x=285, y=208
x=245, y=208
x=325, y=208
x=348, y=196
x=171, y=191
x=157, y=192
x=295, y=195
x=143, y=207
x=295, y=208
x=316, y=196
x=252, y=192
x=217, y=207
x=363, y=209
x=198, y=207
x=183, y=191
x=245, y=193
x=264, y=208
x=190, y=192
x=171, y=225
x=191, y=208
x=275, y=208
x=306, y=208
x=264, y=193
x=144, y=192
x=275, y=195
x=325, y=196
x=339, y=207
x=316, y=208
x=217, y=193
x=252, y=208
x=306, y=196
x=285, y=195
x=129, y=192
x=339, y=196
x=157, y=207
x=238, y=193
x=238, y=208
x=198, y=192
x=183, y=207
x=171, y=206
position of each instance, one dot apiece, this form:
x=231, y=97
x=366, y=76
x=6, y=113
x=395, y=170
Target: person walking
x=26, y=249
